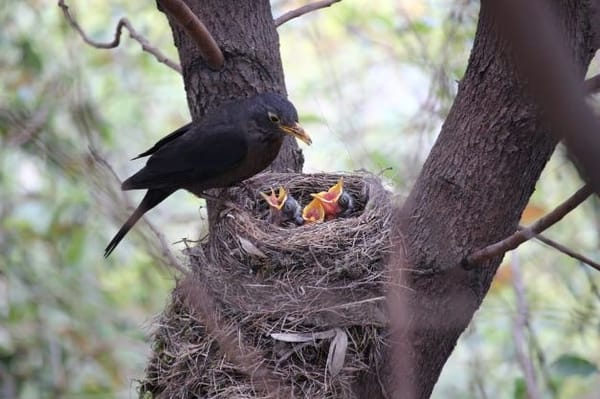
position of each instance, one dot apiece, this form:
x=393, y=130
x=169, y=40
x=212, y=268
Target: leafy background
x=373, y=83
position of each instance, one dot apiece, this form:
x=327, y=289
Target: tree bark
x=247, y=36
x=470, y=193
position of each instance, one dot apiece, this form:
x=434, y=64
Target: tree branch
x=520, y=323
x=565, y=250
x=196, y=30
x=26, y=129
x=298, y=12
x=521, y=236
x=123, y=23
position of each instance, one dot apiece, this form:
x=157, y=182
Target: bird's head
x=329, y=199
x=275, y=201
x=275, y=112
x=283, y=207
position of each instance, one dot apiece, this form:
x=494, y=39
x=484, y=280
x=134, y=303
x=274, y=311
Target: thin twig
x=540, y=356
x=565, y=250
x=519, y=237
x=123, y=23
x=209, y=50
x=298, y=12
x=520, y=323
x=25, y=131
x=164, y=246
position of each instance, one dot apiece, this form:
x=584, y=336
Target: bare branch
x=298, y=12
x=520, y=323
x=196, y=30
x=165, y=250
x=521, y=236
x=123, y=23
x=565, y=250
x=26, y=130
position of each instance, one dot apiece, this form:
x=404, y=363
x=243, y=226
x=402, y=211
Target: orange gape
x=283, y=207
x=314, y=212
x=330, y=200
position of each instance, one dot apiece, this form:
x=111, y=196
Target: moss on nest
x=269, y=311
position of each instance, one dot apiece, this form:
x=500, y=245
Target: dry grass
x=320, y=285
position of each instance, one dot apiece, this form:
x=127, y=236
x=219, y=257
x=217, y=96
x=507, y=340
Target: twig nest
x=307, y=301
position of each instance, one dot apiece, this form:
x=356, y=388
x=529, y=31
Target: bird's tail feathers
x=150, y=200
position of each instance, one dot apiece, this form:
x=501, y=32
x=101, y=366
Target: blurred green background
x=373, y=82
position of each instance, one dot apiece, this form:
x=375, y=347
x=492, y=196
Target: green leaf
x=76, y=246
x=30, y=58
x=519, y=391
x=570, y=365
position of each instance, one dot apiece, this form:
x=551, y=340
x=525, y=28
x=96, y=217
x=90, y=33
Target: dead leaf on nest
x=337, y=352
x=303, y=337
x=250, y=248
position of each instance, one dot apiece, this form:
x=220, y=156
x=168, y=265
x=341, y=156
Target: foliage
x=70, y=322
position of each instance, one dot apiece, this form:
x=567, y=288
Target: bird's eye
x=274, y=118
x=343, y=201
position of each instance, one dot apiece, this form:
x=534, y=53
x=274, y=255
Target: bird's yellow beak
x=297, y=131
x=276, y=201
x=314, y=212
x=333, y=194
x=329, y=199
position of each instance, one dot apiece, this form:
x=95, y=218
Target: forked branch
x=525, y=234
x=565, y=250
x=123, y=23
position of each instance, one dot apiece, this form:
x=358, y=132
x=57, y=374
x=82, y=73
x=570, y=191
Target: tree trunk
x=470, y=193
x=246, y=34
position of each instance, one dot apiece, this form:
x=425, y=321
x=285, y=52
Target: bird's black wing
x=170, y=137
x=199, y=154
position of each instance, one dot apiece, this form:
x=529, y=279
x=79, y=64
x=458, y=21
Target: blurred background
x=373, y=82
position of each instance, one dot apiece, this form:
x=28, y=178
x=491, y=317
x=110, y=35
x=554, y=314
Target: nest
x=278, y=311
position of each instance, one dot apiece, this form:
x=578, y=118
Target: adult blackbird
x=231, y=144
x=283, y=208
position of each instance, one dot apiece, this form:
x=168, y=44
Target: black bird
x=346, y=202
x=230, y=144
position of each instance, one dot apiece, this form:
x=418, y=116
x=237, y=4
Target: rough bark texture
x=471, y=192
x=246, y=34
